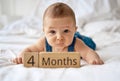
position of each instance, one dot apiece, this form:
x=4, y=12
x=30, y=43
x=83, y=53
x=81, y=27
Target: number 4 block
x=30, y=59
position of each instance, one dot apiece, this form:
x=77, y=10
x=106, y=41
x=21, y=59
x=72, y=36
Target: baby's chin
x=59, y=46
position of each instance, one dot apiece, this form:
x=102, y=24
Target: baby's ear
x=43, y=29
x=76, y=28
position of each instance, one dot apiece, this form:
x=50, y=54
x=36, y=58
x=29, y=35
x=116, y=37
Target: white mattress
x=108, y=47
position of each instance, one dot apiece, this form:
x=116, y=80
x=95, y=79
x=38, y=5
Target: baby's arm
x=37, y=47
x=87, y=53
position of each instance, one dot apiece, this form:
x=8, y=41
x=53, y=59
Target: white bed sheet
x=108, y=72
x=108, y=47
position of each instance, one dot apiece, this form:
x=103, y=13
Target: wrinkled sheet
x=108, y=72
x=108, y=47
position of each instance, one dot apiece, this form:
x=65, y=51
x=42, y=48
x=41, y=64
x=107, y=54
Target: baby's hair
x=58, y=10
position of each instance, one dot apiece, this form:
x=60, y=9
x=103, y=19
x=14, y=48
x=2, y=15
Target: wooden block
x=30, y=59
x=59, y=60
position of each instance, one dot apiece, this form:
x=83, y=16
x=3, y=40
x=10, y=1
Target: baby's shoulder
x=41, y=40
x=79, y=41
x=79, y=44
x=40, y=44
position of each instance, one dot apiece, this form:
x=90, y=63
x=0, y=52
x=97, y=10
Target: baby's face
x=59, y=32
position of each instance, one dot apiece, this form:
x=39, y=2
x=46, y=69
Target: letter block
x=59, y=60
x=51, y=59
x=30, y=59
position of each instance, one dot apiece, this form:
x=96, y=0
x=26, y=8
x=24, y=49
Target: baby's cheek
x=69, y=41
x=51, y=41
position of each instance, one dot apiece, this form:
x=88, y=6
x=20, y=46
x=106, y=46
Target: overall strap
x=71, y=47
x=48, y=47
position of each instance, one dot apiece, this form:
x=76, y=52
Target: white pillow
x=102, y=26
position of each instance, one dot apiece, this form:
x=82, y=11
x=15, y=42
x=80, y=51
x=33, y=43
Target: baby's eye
x=66, y=31
x=52, y=32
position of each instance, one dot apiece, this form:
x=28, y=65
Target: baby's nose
x=59, y=36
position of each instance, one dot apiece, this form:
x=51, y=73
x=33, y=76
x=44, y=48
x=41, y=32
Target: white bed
x=105, y=31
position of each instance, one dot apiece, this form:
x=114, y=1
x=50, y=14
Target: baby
x=59, y=26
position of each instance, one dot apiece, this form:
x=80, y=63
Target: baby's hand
x=94, y=59
x=17, y=60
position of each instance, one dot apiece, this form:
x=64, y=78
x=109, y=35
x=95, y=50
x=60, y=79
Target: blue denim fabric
x=87, y=40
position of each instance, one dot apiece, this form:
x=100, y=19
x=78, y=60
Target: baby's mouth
x=60, y=44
